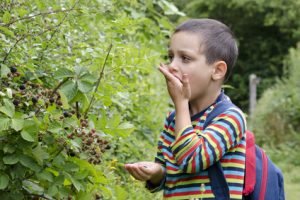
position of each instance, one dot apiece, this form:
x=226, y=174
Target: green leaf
x=70, y=89
x=4, y=180
x=40, y=154
x=8, y=108
x=30, y=130
x=29, y=162
x=4, y=69
x=4, y=124
x=33, y=187
x=10, y=159
x=17, y=124
x=126, y=125
x=45, y=175
x=121, y=193
x=64, y=100
x=85, y=86
x=8, y=32
x=6, y=17
x=27, y=136
x=62, y=73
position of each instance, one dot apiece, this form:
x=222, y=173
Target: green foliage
x=78, y=78
x=265, y=31
x=277, y=116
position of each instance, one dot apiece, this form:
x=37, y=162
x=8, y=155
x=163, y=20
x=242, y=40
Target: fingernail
x=145, y=166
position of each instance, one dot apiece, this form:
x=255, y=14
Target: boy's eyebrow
x=181, y=51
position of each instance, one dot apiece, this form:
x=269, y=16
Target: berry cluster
x=31, y=97
x=92, y=143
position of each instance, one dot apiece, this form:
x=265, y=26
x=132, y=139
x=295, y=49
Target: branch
x=26, y=35
x=59, y=85
x=98, y=81
x=55, y=31
x=39, y=14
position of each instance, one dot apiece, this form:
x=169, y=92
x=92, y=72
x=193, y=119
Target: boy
x=202, y=54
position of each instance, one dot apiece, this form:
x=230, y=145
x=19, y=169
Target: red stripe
x=206, y=156
x=216, y=142
x=264, y=176
x=189, y=151
x=166, y=155
x=226, y=132
x=178, y=194
x=235, y=192
x=184, y=136
x=234, y=176
x=233, y=161
x=171, y=168
x=187, y=179
x=234, y=119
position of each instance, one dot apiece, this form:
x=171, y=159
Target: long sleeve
x=159, y=158
x=196, y=150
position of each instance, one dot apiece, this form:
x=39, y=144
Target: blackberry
x=16, y=102
x=34, y=100
x=13, y=70
x=22, y=87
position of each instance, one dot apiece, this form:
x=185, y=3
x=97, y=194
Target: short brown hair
x=217, y=39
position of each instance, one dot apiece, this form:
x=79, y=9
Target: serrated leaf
x=126, y=125
x=40, y=154
x=17, y=124
x=33, y=187
x=70, y=89
x=88, y=77
x=29, y=162
x=10, y=159
x=45, y=175
x=62, y=73
x=4, y=180
x=6, y=31
x=4, y=124
x=85, y=86
x=30, y=130
x=8, y=108
x=6, y=17
x=27, y=136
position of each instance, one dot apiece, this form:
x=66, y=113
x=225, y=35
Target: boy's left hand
x=179, y=90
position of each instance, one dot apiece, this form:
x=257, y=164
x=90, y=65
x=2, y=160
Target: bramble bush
x=77, y=79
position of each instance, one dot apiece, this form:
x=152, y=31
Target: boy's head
x=217, y=41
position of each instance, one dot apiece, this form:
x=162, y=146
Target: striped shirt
x=186, y=159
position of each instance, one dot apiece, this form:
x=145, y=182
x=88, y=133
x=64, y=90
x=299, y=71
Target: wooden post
x=253, y=82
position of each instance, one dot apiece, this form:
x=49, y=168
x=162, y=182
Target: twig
x=39, y=14
x=55, y=31
x=59, y=85
x=98, y=81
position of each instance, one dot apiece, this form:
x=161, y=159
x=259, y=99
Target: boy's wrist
x=181, y=104
x=156, y=179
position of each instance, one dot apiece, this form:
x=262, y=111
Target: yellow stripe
x=242, y=166
x=200, y=181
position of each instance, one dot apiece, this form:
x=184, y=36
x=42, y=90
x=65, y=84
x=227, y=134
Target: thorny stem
x=98, y=81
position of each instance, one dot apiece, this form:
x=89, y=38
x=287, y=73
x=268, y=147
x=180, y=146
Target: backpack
x=263, y=180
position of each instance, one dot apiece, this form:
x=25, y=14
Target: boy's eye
x=185, y=58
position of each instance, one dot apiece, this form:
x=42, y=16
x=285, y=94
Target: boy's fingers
x=185, y=80
x=166, y=73
x=140, y=174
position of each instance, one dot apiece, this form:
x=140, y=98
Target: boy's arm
x=196, y=151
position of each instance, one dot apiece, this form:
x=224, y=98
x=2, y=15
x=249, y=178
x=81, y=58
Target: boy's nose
x=173, y=67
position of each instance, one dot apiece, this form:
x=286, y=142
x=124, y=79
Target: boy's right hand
x=145, y=171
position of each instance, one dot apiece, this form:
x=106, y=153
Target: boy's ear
x=220, y=69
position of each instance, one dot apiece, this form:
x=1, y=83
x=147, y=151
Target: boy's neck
x=199, y=104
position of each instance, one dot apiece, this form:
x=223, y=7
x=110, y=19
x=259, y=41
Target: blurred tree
x=265, y=31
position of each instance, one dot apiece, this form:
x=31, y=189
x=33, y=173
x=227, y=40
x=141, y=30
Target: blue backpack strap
x=215, y=172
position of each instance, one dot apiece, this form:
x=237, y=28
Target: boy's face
x=186, y=58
